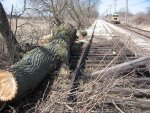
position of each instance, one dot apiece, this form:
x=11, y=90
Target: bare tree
x=74, y=13
x=7, y=35
x=79, y=11
x=50, y=8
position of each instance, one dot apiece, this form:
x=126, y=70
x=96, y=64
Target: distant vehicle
x=115, y=19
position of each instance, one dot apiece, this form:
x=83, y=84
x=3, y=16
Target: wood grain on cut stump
x=8, y=86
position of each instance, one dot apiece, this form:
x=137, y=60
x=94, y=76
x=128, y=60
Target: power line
x=115, y=3
x=138, y=3
x=126, y=13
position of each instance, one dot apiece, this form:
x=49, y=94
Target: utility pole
x=115, y=5
x=106, y=12
x=126, y=13
x=110, y=9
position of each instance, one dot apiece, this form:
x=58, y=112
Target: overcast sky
x=135, y=6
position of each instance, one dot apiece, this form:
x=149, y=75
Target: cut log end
x=8, y=86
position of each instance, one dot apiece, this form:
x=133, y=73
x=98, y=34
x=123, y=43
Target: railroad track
x=126, y=92
x=81, y=93
x=136, y=30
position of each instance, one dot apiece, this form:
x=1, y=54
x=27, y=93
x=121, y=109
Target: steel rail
x=76, y=72
x=81, y=60
x=140, y=31
x=136, y=30
x=116, y=44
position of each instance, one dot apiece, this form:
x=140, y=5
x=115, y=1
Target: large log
x=120, y=68
x=24, y=76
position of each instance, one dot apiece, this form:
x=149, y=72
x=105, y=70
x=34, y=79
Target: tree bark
x=7, y=35
x=121, y=68
x=24, y=76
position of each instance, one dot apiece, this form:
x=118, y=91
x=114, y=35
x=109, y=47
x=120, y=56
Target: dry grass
x=28, y=31
x=91, y=94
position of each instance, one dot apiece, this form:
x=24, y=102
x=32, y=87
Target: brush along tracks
x=124, y=92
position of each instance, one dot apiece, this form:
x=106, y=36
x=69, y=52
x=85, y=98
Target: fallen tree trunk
x=24, y=76
x=121, y=68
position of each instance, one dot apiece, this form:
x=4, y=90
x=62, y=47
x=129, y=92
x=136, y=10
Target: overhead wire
x=138, y=3
x=131, y=4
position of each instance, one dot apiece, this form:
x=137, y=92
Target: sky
x=7, y=4
x=135, y=6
